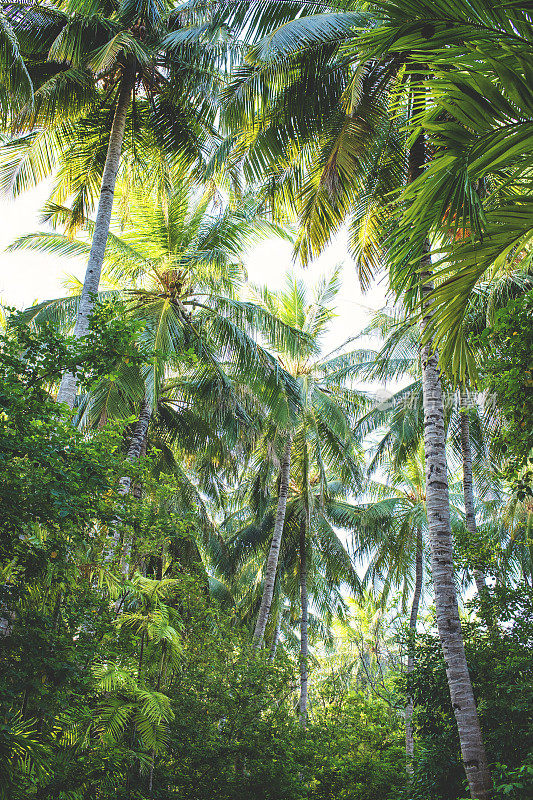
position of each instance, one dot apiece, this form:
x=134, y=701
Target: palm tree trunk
x=304, y=621
x=440, y=538
x=468, y=482
x=273, y=555
x=275, y=640
x=409, y=738
x=67, y=389
x=124, y=488
x=136, y=443
x=134, y=452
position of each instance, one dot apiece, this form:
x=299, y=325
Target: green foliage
x=507, y=371
x=118, y=686
x=356, y=751
x=499, y=648
x=126, y=669
x=51, y=476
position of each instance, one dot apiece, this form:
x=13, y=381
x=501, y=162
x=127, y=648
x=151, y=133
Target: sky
x=27, y=277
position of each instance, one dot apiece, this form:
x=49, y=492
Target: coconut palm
x=474, y=198
x=328, y=407
x=396, y=417
x=392, y=539
x=177, y=265
x=313, y=563
x=127, y=76
x=16, y=87
x=347, y=121
x=319, y=445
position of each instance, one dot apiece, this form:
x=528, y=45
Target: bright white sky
x=27, y=277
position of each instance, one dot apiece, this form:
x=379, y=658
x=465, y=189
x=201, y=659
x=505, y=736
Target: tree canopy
x=242, y=556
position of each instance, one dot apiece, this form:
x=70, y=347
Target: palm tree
x=468, y=480
x=398, y=420
x=178, y=267
x=473, y=200
x=313, y=562
x=392, y=536
x=16, y=87
x=143, y=70
x=328, y=404
x=273, y=553
x=346, y=121
x=319, y=444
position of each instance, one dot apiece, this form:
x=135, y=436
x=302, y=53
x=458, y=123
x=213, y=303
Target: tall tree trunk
x=134, y=451
x=67, y=388
x=136, y=444
x=468, y=481
x=409, y=738
x=304, y=622
x=275, y=640
x=273, y=555
x=440, y=538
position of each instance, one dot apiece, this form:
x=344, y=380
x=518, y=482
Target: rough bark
x=273, y=555
x=67, y=388
x=304, y=622
x=134, y=451
x=409, y=738
x=136, y=444
x=468, y=481
x=440, y=538
x=275, y=640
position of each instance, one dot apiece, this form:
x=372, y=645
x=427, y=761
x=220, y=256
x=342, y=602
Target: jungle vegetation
x=231, y=567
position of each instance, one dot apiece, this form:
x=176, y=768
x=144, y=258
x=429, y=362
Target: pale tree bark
x=67, y=388
x=440, y=539
x=6, y=623
x=275, y=640
x=134, y=453
x=440, y=536
x=304, y=625
x=273, y=555
x=468, y=481
x=409, y=737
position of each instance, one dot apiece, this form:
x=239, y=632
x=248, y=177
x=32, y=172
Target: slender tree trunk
x=273, y=555
x=304, y=638
x=275, y=640
x=468, y=481
x=67, y=388
x=136, y=443
x=134, y=452
x=440, y=538
x=409, y=738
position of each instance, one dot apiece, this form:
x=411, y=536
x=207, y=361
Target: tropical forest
x=266, y=400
